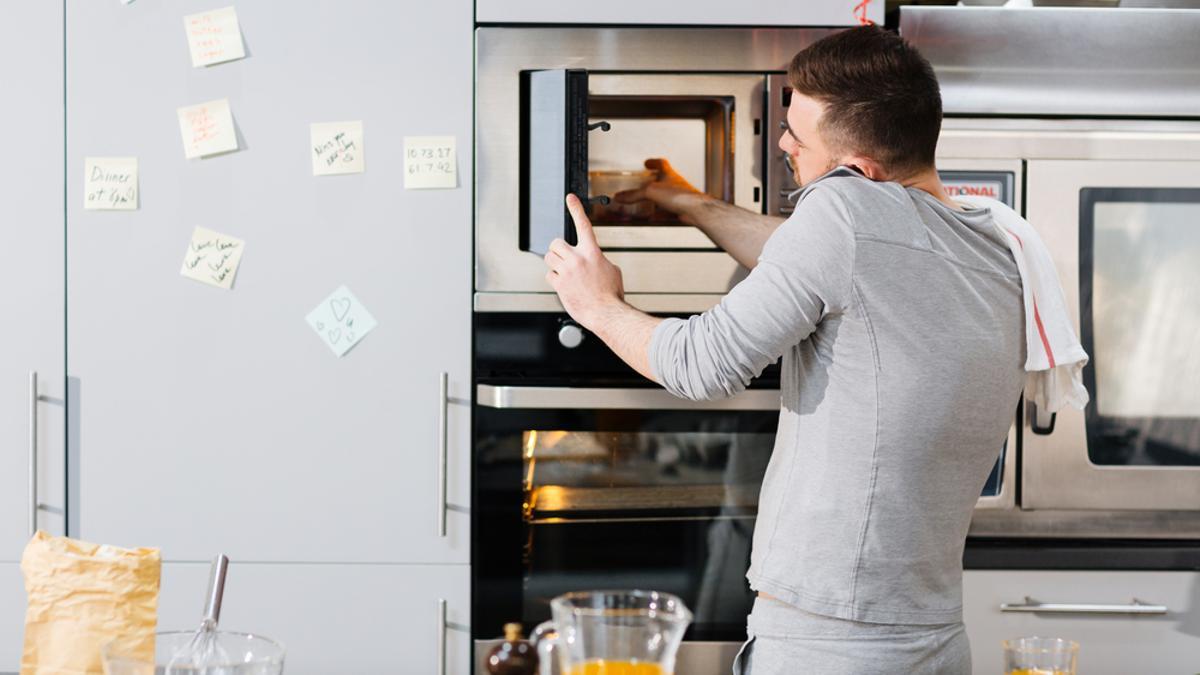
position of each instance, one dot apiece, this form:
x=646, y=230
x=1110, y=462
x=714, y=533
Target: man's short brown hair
x=881, y=97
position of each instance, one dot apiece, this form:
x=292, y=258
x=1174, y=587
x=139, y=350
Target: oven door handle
x=550, y=398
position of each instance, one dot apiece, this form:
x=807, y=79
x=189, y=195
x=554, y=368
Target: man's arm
x=804, y=275
x=590, y=289
x=627, y=331
x=739, y=232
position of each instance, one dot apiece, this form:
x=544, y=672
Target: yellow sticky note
x=337, y=147
x=429, y=162
x=212, y=258
x=207, y=129
x=110, y=183
x=214, y=37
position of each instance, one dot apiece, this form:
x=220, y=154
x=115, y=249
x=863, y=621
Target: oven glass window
x=1140, y=281
x=586, y=499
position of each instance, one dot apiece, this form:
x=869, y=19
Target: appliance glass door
x=1126, y=239
x=590, y=133
x=589, y=497
x=1140, y=250
x=596, y=488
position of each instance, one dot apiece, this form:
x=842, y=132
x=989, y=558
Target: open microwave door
x=554, y=154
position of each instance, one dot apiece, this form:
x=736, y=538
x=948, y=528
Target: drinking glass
x=1040, y=656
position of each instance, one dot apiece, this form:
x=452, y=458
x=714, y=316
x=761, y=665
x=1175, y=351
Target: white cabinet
x=362, y=619
x=12, y=616
x=215, y=420
x=695, y=12
x=1109, y=644
x=32, y=272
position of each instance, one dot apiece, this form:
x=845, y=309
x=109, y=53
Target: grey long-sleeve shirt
x=900, y=323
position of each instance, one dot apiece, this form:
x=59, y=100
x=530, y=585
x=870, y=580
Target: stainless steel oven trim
x=661, y=303
x=1089, y=524
x=978, y=139
x=1056, y=470
x=501, y=53
x=546, y=398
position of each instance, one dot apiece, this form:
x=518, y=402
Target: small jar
x=514, y=656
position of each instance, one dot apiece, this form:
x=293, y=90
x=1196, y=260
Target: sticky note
x=337, y=147
x=110, y=183
x=212, y=258
x=207, y=129
x=429, y=162
x=214, y=37
x=341, y=321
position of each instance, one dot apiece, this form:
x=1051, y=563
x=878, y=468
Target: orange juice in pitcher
x=613, y=632
x=604, y=667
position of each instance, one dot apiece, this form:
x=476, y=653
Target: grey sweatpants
x=785, y=640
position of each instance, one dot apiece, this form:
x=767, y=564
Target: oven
x=587, y=476
x=1117, y=202
x=1125, y=236
x=578, y=110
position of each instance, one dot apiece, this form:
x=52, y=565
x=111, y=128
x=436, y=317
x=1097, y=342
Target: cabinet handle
x=1030, y=605
x=33, y=452
x=443, y=442
x=441, y=637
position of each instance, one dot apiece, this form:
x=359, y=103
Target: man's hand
x=671, y=192
x=586, y=282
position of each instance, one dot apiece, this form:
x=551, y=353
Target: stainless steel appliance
x=710, y=100
x=586, y=477
x=1115, y=194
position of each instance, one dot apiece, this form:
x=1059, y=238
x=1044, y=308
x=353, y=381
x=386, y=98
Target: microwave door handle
x=592, y=398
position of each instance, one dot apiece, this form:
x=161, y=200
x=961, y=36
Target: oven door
x=600, y=488
x=581, y=488
x=1125, y=237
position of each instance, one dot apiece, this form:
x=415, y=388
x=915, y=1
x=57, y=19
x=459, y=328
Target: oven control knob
x=570, y=335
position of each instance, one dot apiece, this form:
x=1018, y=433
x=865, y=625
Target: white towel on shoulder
x=1054, y=358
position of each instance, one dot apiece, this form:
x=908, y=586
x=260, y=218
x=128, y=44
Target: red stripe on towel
x=1037, y=317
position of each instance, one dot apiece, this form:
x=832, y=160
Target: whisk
x=204, y=651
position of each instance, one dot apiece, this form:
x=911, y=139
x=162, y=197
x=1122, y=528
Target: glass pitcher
x=612, y=633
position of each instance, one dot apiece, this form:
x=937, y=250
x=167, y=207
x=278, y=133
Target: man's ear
x=866, y=166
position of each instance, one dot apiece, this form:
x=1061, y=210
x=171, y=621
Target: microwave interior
x=591, y=134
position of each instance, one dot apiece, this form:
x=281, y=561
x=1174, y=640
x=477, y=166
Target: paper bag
x=81, y=596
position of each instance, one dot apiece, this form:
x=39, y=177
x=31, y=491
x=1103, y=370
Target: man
x=899, y=317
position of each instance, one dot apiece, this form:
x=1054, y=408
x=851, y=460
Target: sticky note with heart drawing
x=341, y=321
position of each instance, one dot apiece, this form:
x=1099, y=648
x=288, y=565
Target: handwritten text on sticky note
x=212, y=258
x=429, y=162
x=341, y=321
x=110, y=183
x=214, y=37
x=207, y=129
x=337, y=147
